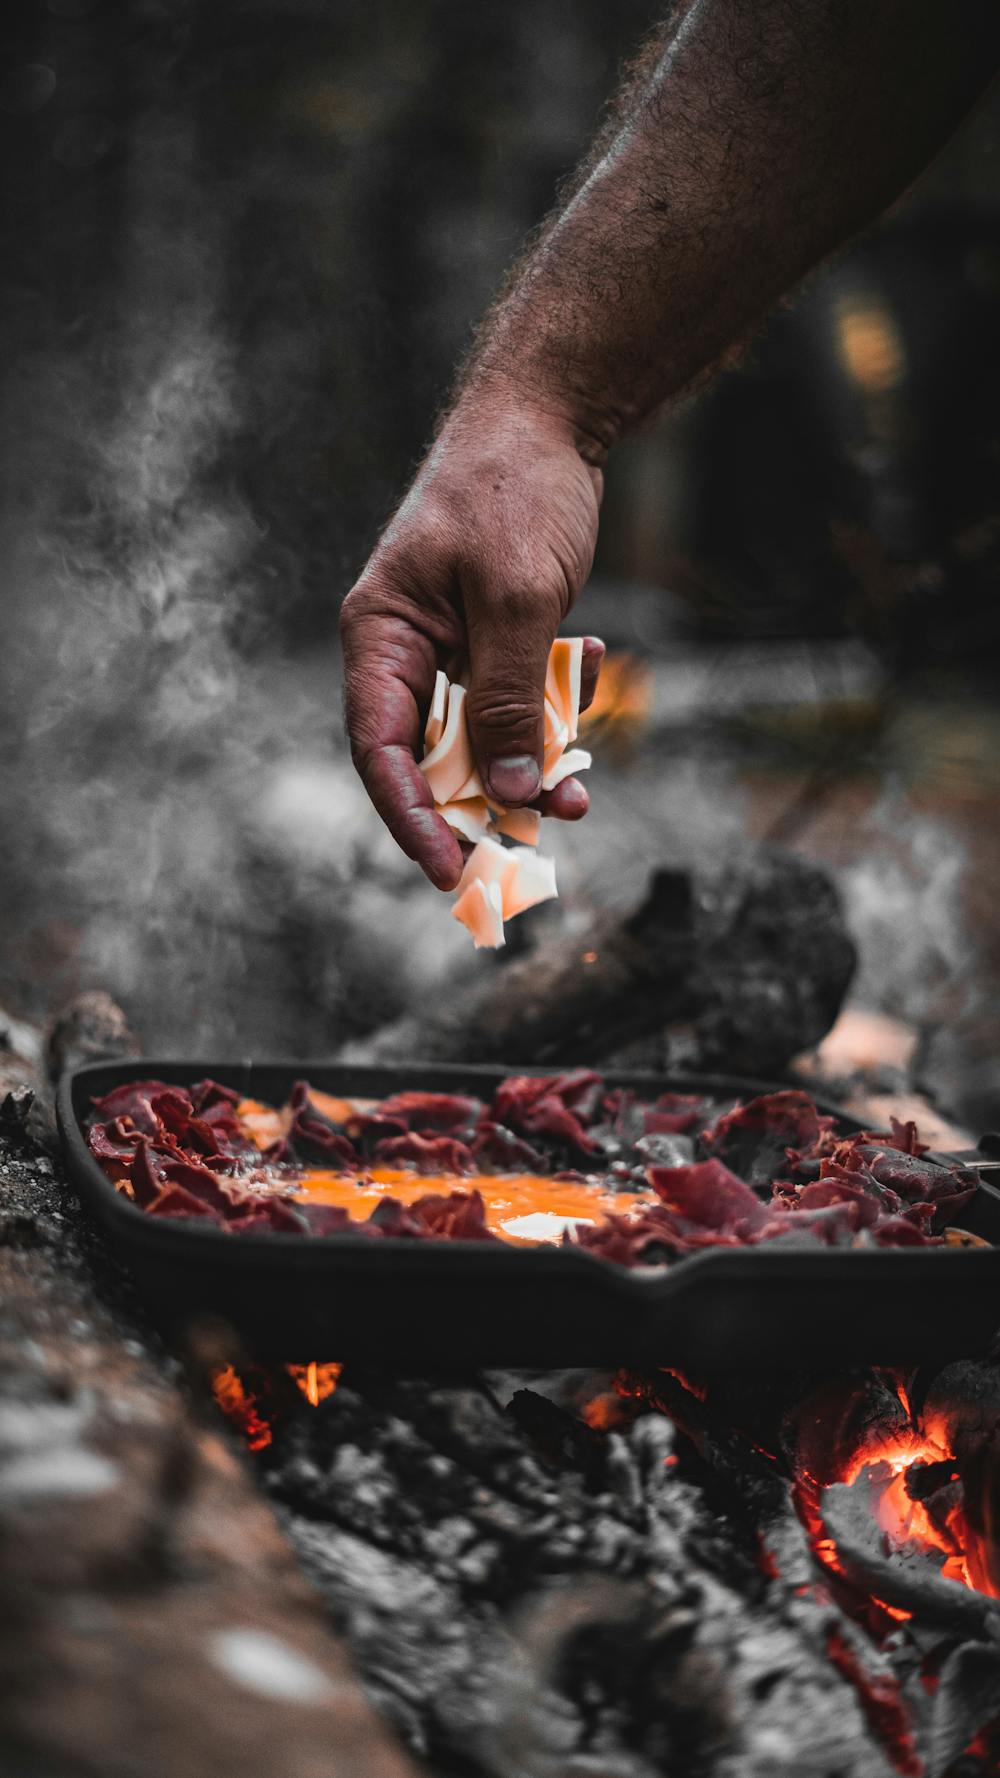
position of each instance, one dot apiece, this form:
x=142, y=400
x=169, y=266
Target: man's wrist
x=511, y=397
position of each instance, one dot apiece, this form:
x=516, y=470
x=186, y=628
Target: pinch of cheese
x=524, y=825
x=480, y=910
x=489, y=863
x=576, y=760
x=532, y=879
x=562, y=680
x=449, y=765
x=438, y=713
x=520, y=876
x=469, y=817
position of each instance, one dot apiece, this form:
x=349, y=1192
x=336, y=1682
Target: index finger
x=387, y=666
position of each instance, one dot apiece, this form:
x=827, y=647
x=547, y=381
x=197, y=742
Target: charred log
x=740, y=972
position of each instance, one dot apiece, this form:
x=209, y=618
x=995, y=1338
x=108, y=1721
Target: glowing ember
x=894, y=1468
x=316, y=1381
x=241, y=1407
x=253, y=1413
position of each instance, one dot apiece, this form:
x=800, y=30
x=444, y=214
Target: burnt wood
x=739, y=970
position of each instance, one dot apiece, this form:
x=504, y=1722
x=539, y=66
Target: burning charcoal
x=560, y=1438
x=849, y=1516
x=967, y=1690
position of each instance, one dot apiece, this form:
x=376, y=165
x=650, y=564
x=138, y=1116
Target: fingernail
x=594, y=645
x=514, y=780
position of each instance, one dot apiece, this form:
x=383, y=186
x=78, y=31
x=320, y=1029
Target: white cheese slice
x=576, y=760
x=562, y=680
x=438, y=713
x=530, y=878
x=480, y=910
x=543, y=1225
x=449, y=765
x=490, y=862
x=469, y=817
x=473, y=786
x=555, y=724
x=524, y=825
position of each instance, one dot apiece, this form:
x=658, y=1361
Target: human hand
x=482, y=561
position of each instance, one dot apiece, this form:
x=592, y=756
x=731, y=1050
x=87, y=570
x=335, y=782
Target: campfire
x=861, y=1508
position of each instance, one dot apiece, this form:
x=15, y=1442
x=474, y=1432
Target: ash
x=527, y=1596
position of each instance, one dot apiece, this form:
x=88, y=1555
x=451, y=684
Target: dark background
x=244, y=246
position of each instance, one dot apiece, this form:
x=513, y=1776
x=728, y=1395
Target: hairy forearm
x=755, y=136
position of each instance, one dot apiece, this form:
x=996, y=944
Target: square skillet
x=457, y=1304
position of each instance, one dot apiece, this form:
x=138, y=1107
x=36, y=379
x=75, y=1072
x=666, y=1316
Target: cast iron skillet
x=418, y=1305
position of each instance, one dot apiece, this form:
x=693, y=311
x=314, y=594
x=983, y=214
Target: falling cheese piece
x=524, y=825
x=490, y=862
x=576, y=760
x=522, y=877
x=480, y=910
x=533, y=879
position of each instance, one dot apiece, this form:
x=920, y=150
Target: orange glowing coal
x=316, y=1381
x=893, y=1466
x=245, y=1407
x=240, y=1406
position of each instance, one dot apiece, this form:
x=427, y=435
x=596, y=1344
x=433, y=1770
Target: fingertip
x=567, y=802
x=434, y=847
x=590, y=669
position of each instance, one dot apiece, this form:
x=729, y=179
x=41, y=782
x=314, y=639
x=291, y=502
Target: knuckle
x=494, y=711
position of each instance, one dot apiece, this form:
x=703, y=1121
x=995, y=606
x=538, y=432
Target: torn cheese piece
x=524, y=825
x=576, y=760
x=532, y=879
x=490, y=862
x=498, y=881
x=467, y=816
x=562, y=680
x=480, y=910
x=449, y=765
x=522, y=877
x=438, y=713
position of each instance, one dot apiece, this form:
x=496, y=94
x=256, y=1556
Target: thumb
x=509, y=641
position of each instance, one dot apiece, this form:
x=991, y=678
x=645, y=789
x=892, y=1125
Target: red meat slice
x=427, y=1154
x=133, y=1100
x=495, y=1146
x=754, y=1139
x=711, y=1197
x=431, y=1111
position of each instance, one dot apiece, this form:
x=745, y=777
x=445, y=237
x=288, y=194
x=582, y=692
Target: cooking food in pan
x=556, y=1158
